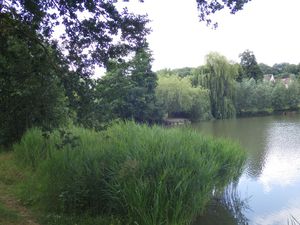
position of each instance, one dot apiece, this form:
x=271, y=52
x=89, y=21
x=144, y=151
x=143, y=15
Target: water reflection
x=227, y=209
x=250, y=132
x=283, y=146
x=271, y=179
x=279, y=217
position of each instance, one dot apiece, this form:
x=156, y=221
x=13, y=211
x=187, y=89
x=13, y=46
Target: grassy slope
x=11, y=210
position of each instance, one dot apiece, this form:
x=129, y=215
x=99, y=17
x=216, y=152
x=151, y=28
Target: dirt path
x=11, y=206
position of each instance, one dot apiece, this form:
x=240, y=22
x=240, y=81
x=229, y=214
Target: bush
x=143, y=175
x=263, y=97
x=178, y=98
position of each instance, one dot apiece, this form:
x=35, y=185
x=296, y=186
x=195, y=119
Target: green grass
x=137, y=174
x=63, y=219
x=10, y=173
x=8, y=215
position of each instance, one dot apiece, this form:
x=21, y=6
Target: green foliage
x=264, y=97
x=285, y=69
x=31, y=93
x=138, y=174
x=266, y=69
x=180, y=72
x=9, y=171
x=115, y=35
x=253, y=97
x=178, y=97
x=279, y=97
x=206, y=8
x=128, y=90
x=281, y=70
x=8, y=215
x=218, y=76
x=250, y=66
x=82, y=101
x=63, y=219
x=293, y=95
x=81, y=33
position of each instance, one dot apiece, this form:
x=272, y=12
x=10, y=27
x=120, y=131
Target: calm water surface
x=270, y=183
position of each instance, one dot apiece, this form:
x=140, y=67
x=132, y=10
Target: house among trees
x=286, y=80
x=269, y=77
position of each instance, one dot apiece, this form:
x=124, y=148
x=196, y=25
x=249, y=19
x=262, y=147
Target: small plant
x=67, y=139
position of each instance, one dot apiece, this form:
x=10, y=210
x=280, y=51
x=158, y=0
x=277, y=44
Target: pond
x=270, y=183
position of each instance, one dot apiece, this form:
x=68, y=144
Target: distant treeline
x=221, y=89
x=39, y=88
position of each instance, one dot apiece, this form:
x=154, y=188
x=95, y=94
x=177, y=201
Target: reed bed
x=139, y=174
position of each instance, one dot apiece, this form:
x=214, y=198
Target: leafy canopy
x=95, y=31
x=31, y=93
x=218, y=76
x=208, y=7
x=249, y=64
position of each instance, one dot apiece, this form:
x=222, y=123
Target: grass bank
x=128, y=174
x=12, y=212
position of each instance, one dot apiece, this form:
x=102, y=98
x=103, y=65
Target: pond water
x=270, y=183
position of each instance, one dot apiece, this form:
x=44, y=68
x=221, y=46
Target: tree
x=92, y=27
x=179, y=98
x=31, y=92
x=128, y=90
x=240, y=71
x=263, y=96
x=142, y=96
x=206, y=8
x=218, y=76
x=250, y=66
x=266, y=69
x=82, y=101
x=38, y=82
x=279, y=97
x=94, y=31
x=293, y=95
x=253, y=97
x=244, y=96
x=285, y=69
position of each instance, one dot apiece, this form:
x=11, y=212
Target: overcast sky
x=269, y=28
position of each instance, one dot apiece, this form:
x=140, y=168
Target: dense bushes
x=139, y=174
x=264, y=97
x=178, y=98
x=31, y=93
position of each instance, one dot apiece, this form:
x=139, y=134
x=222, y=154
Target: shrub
x=178, y=98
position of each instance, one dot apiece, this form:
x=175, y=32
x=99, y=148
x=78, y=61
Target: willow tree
x=218, y=76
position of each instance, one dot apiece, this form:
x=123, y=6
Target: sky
x=269, y=28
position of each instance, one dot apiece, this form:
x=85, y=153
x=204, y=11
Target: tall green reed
x=147, y=176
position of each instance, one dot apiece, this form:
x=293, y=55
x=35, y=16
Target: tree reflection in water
x=225, y=209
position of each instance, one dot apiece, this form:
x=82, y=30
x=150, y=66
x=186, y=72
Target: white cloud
x=280, y=217
x=267, y=27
